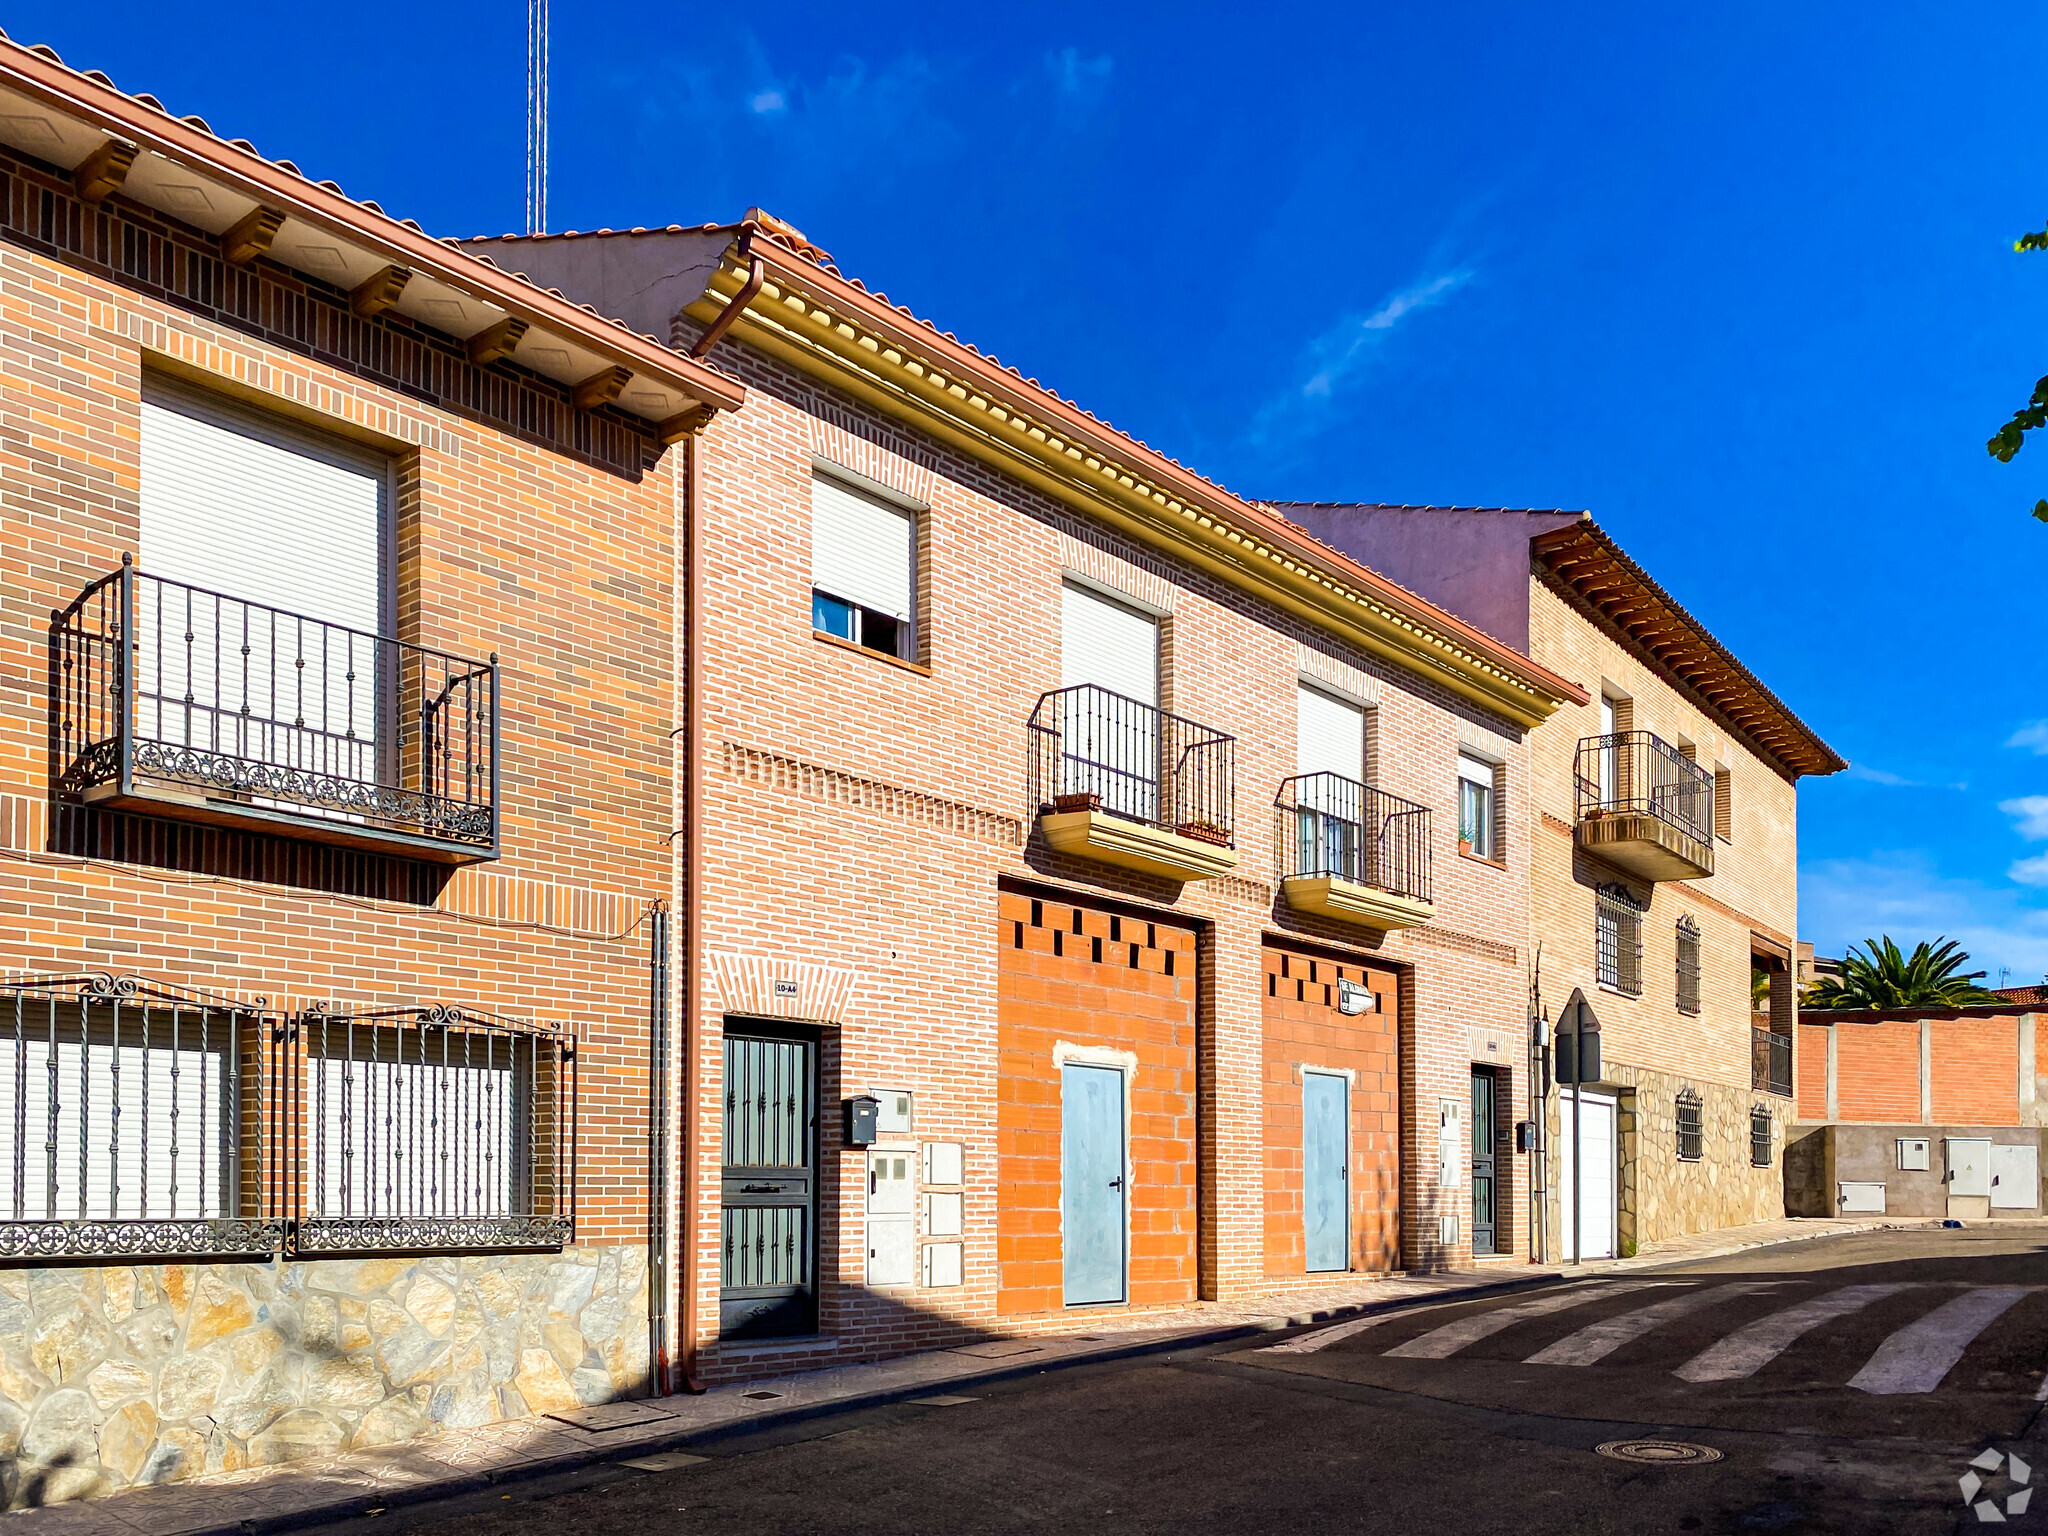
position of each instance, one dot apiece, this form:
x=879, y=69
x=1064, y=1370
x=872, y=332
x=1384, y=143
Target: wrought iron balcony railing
x=1326, y=825
x=170, y=694
x=1096, y=750
x=1636, y=773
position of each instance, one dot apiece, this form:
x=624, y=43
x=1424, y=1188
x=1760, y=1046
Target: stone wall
x=112, y=1377
x=1658, y=1195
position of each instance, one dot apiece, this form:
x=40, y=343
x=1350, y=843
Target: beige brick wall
x=1648, y=1044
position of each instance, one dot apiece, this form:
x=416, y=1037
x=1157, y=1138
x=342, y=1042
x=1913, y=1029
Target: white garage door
x=1591, y=1191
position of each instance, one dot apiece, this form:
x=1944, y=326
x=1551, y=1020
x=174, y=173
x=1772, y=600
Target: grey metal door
x=1092, y=1182
x=1326, y=1169
x=1484, y=1186
x=766, y=1285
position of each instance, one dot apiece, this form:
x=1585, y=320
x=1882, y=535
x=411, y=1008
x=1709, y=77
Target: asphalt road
x=1847, y=1384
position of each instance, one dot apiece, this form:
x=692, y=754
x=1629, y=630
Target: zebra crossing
x=1913, y=1358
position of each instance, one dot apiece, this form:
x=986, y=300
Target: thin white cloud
x=768, y=101
x=2033, y=736
x=1075, y=74
x=2032, y=871
x=1349, y=345
x=2031, y=812
x=1890, y=780
x=1334, y=359
x=1902, y=893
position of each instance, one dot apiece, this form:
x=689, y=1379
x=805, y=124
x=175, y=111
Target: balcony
x=1645, y=807
x=1123, y=783
x=173, y=700
x=1354, y=854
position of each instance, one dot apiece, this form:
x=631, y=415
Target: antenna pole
x=536, y=117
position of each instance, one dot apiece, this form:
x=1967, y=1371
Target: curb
x=357, y=1506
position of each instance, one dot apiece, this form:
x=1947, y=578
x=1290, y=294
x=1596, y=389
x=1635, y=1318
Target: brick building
x=1094, y=822
x=1919, y=1112
x=1663, y=816
x=337, y=641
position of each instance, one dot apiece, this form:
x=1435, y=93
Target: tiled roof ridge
x=243, y=146
x=1588, y=528
x=1431, y=506
x=807, y=253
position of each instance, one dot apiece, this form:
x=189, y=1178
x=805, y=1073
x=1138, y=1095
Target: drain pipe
x=693, y=901
x=757, y=274
x=658, y=1146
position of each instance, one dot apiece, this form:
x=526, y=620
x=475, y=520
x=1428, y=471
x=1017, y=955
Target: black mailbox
x=1525, y=1135
x=860, y=1120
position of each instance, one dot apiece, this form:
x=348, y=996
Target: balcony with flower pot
x=1121, y=782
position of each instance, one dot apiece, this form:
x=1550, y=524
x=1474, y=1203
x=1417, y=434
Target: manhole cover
x=1659, y=1453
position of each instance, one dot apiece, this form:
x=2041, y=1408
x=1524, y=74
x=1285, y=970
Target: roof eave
x=1517, y=687
x=110, y=111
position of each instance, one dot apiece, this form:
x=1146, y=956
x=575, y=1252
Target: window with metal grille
x=1688, y=966
x=1760, y=1137
x=432, y=1128
x=134, y=1116
x=1690, y=1134
x=1618, y=957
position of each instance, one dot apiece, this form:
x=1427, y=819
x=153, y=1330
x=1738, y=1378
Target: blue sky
x=1740, y=281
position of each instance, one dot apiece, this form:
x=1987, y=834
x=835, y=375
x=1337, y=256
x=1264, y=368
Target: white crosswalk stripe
x=1915, y=1358
x=1442, y=1343
x=1749, y=1349
x=1596, y=1341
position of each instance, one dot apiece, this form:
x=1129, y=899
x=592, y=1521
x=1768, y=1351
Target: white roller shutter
x=1330, y=736
x=164, y=1156
x=261, y=515
x=1104, y=643
x=274, y=528
x=863, y=550
x=416, y=1138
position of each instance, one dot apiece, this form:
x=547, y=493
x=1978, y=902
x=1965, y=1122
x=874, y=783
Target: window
x=1476, y=805
x=433, y=1127
x=863, y=569
x=1690, y=1135
x=136, y=1120
x=1759, y=1137
x=1618, y=957
x=1724, y=810
x=1688, y=966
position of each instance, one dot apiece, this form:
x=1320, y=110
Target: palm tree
x=1884, y=977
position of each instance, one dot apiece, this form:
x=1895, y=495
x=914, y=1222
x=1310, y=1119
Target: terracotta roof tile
x=143, y=98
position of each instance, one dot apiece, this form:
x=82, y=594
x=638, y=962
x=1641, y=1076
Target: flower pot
x=1077, y=802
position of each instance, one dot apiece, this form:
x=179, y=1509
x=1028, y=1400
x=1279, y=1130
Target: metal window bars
x=1688, y=966
x=1092, y=749
x=1691, y=1134
x=1618, y=939
x=1638, y=773
x=1327, y=825
x=136, y=1117
x=145, y=1120
x=163, y=683
x=1759, y=1137
x=1770, y=1061
x=428, y=1128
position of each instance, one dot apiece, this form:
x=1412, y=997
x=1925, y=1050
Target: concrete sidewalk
x=263, y=1499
